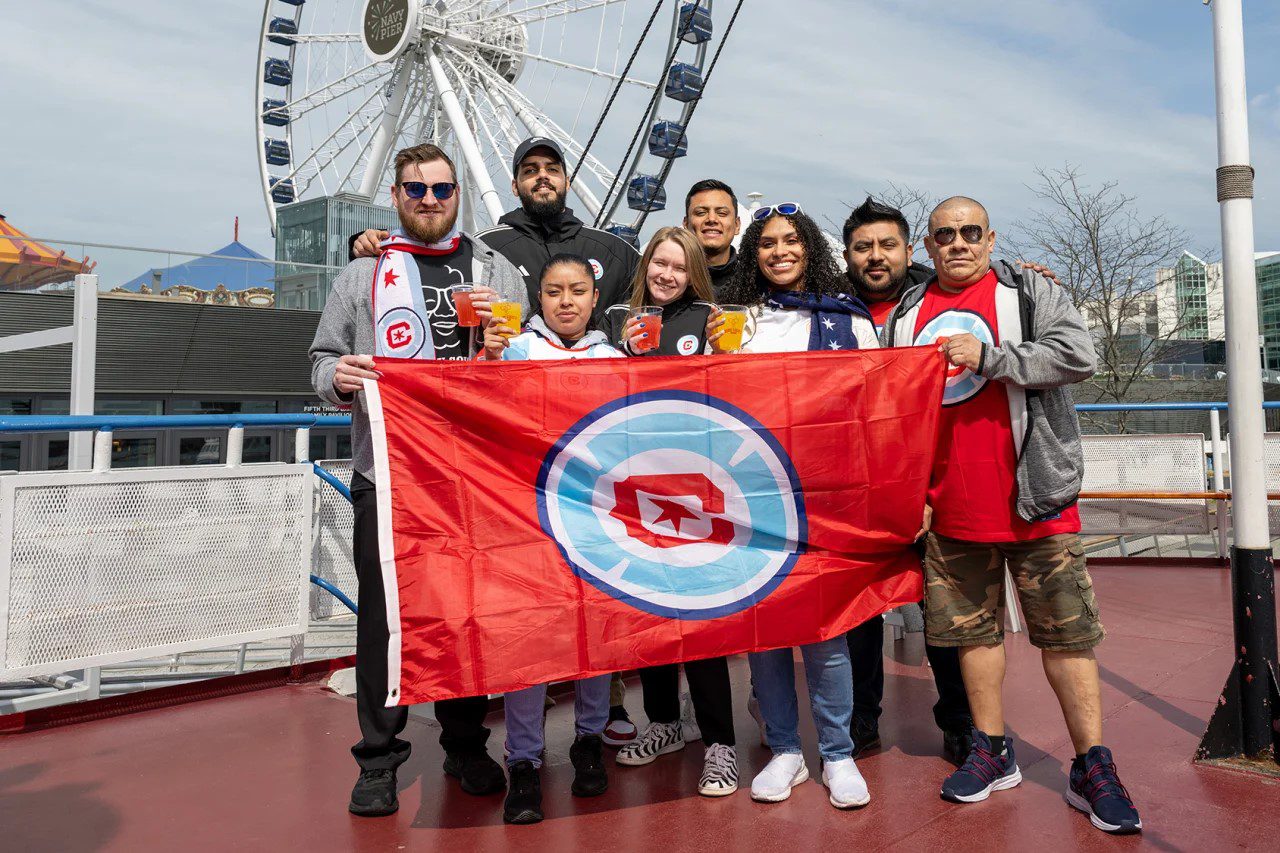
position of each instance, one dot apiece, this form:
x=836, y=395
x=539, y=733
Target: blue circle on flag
x=962, y=383
x=675, y=503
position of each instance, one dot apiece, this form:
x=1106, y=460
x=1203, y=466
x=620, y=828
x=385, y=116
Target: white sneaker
x=688, y=722
x=719, y=771
x=656, y=739
x=753, y=708
x=774, y=783
x=845, y=783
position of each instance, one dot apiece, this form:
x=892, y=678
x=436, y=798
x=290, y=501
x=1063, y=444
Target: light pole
x=1244, y=722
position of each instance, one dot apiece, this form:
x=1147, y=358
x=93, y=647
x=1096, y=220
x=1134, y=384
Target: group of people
x=1006, y=478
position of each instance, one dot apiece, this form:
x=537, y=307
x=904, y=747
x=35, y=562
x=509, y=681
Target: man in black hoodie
x=542, y=226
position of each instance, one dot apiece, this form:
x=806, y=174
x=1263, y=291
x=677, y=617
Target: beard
x=428, y=231
x=891, y=288
x=543, y=209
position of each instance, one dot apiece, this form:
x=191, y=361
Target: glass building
x=1191, y=287
x=1267, y=267
x=316, y=231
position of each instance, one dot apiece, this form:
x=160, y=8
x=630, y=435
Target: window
x=10, y=455
x=133, y=452
x=15, y=405
x=257, y=448
x=128, y=407
x=223, y=407
x=199, y=450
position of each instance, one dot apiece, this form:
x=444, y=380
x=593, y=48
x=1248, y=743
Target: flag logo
x=962, y=383
x=675, y=503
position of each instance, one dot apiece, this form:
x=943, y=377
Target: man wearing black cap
x=542, y=226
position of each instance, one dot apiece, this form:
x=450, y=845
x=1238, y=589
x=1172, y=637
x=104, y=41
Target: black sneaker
x=479, y=774
x=524, y=795
x=957, y=744
x=1095, y=789
x=866, y=736
x=374, y=794
x=587, y=757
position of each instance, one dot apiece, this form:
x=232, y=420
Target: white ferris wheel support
x=343, y=84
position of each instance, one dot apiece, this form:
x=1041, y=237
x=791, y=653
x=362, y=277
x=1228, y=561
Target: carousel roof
x=235, y=266
x=26, y=264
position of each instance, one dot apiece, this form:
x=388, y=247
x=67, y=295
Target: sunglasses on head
x=947, y=235
x=443, y=191
x=787, y=208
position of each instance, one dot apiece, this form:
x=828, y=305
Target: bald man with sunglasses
x=1007, y=475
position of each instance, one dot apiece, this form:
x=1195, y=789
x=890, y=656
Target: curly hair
x=749, y=286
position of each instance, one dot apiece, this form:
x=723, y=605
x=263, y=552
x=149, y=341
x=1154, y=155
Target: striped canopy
x=26, y=264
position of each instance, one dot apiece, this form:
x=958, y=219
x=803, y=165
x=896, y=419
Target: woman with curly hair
x=798, y=300
x=796, y=296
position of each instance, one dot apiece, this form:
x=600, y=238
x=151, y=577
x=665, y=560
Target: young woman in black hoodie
x=673, y=276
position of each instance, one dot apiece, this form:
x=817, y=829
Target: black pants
x=461, y=720
x=708, y=688
x=866, y=653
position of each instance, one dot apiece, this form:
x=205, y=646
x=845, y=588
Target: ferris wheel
x=343, y=84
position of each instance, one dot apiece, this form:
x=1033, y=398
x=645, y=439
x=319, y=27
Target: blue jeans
x=830, y=678
x=524, y=710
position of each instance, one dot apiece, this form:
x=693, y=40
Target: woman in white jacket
x=797, y=300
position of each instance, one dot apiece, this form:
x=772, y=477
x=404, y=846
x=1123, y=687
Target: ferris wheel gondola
x=343, y=84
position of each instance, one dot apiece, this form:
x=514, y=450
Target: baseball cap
x=531, y=143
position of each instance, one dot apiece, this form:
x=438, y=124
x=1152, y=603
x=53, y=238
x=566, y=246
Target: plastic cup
x=625, y=312
x=735, y=321
x=461, y=294
x=650, y=319
x=508, y=313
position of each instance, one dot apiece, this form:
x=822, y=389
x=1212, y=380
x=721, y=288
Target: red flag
x=550, y=520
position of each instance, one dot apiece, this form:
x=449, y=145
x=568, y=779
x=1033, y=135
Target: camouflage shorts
x=964, y=592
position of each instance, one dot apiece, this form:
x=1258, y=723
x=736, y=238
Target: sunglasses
x=947, y=235
x=787, y=208
x=443, y=191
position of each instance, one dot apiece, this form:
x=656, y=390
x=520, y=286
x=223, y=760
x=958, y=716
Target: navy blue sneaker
x=983, y=772
x=1096, y=790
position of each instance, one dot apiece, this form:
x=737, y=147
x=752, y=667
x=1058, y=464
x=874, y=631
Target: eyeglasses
x=787, y=208
x=947, y=235
x=443, y=191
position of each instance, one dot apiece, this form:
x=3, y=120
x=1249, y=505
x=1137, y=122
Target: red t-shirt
x=880, y=312
x=974, y=478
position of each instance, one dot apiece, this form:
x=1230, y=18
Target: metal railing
x=205, y=658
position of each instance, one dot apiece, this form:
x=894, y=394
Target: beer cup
x=508, y=313
x=735, y=321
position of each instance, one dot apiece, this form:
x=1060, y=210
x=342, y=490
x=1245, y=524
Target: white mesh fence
x=106, y=567
x=332, y=558
x=1144, y=463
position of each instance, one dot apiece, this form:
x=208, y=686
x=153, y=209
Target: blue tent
x=208, y=272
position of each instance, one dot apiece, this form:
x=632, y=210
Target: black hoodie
x=720, y=275
x=529, y=243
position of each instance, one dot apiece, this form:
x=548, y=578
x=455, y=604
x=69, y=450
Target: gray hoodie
x=346, y=328
x=1044, y=347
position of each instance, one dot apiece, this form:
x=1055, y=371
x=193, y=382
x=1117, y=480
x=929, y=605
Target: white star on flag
x=835, y=345
x=826, y=321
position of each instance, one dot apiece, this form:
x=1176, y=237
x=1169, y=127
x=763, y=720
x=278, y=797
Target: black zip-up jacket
x=529, y=243
x=720, y=275
x=684, y=328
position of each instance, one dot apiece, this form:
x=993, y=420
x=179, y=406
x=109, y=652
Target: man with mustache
x=542, y=226
x=711, y=214
x=878, y=253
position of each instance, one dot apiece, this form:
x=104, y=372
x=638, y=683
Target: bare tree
x=915, y=204
x=1106, y=253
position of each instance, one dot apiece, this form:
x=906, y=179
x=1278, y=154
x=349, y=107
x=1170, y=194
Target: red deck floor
x=270, y=770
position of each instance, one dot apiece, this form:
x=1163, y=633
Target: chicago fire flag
x=544, y=521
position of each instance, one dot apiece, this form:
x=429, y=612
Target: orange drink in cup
x=735, y=321
x=650, y=320
x=508, y=313
x=467, y=315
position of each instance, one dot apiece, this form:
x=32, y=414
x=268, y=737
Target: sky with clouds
x=133, y=122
